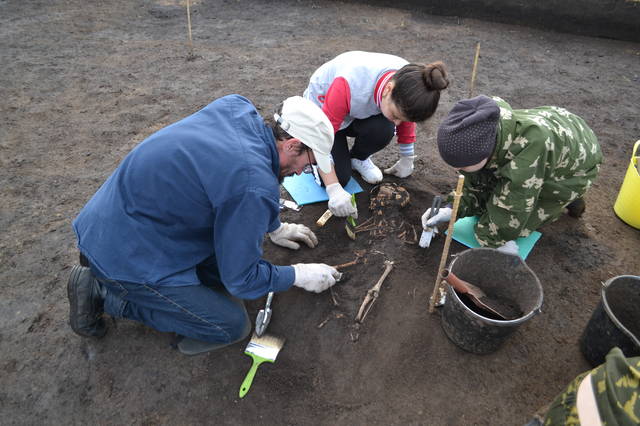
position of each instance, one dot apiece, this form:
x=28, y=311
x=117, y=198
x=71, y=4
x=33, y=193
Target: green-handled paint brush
x=261, y=349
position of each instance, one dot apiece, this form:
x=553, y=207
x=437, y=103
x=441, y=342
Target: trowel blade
x=260, y=326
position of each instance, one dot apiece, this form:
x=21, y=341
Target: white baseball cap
x=304, y=120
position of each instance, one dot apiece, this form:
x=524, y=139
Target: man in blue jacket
x=173, y=238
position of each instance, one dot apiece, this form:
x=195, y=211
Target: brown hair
x=417, y=89
x=278, y=133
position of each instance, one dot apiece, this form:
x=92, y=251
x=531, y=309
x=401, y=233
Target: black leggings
x=371, y=135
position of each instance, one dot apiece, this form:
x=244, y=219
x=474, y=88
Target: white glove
x=510, y=247
x=315, y=277
x=403, y=167
x=444, y=215
x=288, y=233
x=340, y=201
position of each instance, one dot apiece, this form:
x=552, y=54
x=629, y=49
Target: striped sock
x=406, y=149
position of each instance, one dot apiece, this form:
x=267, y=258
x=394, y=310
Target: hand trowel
x=503, y=311
x=430, y=231
x=264, y=316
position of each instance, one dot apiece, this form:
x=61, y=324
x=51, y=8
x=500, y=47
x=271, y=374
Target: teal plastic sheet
x=463, y=232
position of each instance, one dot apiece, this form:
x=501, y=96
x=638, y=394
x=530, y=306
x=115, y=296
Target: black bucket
x=615, y=321
x=498, y=275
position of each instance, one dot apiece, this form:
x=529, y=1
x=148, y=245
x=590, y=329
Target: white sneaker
x=369, y=171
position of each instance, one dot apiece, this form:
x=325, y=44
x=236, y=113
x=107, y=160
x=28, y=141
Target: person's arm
x=406, y=134
x=470, y=203
x=240, y=225
x=328, y=178
x=337, y=104
x=239, y=229
x=474, y=198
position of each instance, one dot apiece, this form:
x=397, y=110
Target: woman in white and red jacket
x=371, y=97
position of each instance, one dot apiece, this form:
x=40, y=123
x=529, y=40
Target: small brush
x=350, y=225
x=260, y=349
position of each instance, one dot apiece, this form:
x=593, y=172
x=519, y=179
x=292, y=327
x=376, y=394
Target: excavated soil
x=82, y=83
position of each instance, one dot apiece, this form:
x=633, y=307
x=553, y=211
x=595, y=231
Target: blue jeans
x=204, y=312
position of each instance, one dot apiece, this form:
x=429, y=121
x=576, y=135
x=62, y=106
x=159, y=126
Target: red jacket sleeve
x=406, y=132
x=337, y=102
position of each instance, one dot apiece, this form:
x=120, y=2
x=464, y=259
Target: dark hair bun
x=435, y=76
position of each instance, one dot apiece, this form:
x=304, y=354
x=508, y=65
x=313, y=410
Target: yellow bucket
x=627, y=206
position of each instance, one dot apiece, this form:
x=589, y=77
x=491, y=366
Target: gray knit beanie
x=468, y=134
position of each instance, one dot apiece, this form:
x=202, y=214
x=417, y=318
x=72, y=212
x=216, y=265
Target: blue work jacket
x=204, y=187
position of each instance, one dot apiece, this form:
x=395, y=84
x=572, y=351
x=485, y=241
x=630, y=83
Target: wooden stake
x=189, y=27
x=473, y=71
x=447, y=243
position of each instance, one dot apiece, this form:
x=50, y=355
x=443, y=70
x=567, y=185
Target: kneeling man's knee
x=239, y=326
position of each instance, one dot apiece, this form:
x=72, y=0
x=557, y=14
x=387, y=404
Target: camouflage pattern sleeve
x=563, y=409
x=474, y=194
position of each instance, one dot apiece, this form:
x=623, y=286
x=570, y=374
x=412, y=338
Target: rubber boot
x=86, y=303
x=576, y=208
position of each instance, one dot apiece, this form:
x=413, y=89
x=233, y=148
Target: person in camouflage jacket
x=522, y=167
x=607, y=395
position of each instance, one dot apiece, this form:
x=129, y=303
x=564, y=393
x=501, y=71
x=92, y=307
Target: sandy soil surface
x=82, y=83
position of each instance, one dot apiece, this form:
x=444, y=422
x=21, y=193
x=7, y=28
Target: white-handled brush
x=261, y=349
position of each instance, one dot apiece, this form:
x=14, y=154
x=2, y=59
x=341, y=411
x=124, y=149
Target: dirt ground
x=82, y=83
